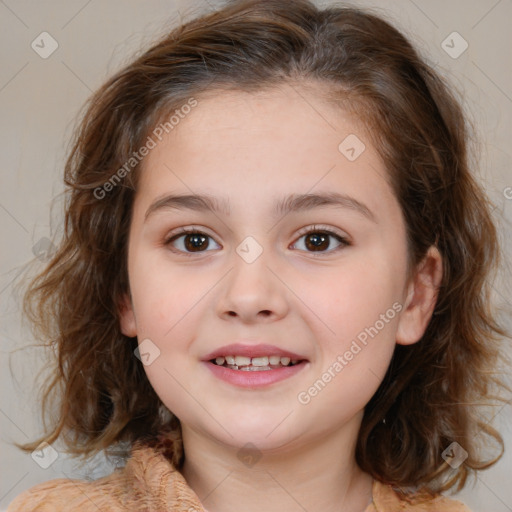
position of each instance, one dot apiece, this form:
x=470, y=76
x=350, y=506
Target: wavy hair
x=361, y=63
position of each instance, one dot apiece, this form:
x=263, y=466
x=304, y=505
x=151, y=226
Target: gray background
x=40, y=99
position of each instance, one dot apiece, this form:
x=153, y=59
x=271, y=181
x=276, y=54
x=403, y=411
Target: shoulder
x=386, y=499
x=67, y=494
x=148, y=481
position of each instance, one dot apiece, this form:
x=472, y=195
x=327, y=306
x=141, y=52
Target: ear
x=127, y=317
x=421, y=298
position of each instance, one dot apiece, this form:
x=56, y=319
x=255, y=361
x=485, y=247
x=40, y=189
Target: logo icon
x=44, y=45
x=351, y=147
x=249, y=250
x=43, y=249
x=454, y=45
x=45, y=455
x=249, y=455
x=146, y=352
x=455, y=455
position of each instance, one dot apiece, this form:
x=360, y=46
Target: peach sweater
x=150, y=483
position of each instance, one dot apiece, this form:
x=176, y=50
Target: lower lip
x=254, y=379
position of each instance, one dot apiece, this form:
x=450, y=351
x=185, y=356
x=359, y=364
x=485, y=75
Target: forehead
x=290, y=112
x=281, y=140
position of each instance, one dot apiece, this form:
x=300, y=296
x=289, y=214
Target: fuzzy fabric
x=150, y=482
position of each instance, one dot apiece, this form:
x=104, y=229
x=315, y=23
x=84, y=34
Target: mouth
x=255, y=364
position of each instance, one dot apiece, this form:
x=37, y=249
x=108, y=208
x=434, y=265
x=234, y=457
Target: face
x=318, y=280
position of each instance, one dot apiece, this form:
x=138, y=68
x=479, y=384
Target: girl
x=273, y=287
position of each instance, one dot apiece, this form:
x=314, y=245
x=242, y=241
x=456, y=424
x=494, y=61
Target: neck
x=321, y=475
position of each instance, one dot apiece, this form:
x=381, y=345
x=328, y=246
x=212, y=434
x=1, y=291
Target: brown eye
x=195, y=242
x=317, y=241
x=190, y=242
x=321, y=241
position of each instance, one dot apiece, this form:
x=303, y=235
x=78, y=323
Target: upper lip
x=247, y=350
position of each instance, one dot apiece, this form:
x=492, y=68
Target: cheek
x=166, y=308
x=361, y=309
x=354, y=296
x=164, y=295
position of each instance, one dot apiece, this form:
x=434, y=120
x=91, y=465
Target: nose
x=252, y=293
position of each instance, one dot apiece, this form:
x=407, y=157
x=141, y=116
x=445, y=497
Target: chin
x=268, y=433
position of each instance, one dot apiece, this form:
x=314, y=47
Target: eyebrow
x=195, y=202
x=291, y=203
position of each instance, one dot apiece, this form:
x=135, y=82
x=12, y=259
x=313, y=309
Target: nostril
x=265, y=312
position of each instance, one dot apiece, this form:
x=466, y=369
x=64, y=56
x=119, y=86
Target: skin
x=256, y=148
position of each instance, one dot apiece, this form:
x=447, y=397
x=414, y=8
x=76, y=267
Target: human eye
x=318, y=238
x=188, y=241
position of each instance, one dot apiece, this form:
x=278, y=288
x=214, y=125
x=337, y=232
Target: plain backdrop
x=41, y=95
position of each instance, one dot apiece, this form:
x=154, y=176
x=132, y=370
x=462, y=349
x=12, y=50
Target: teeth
x=253, y=364
x=259, y=361
x=242, y=361
x=255, y=368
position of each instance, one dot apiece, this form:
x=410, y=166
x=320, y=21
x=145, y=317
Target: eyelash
x=323, y=230
x=310, y=230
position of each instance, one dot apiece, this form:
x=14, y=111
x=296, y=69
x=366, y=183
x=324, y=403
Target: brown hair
x=428, y=396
